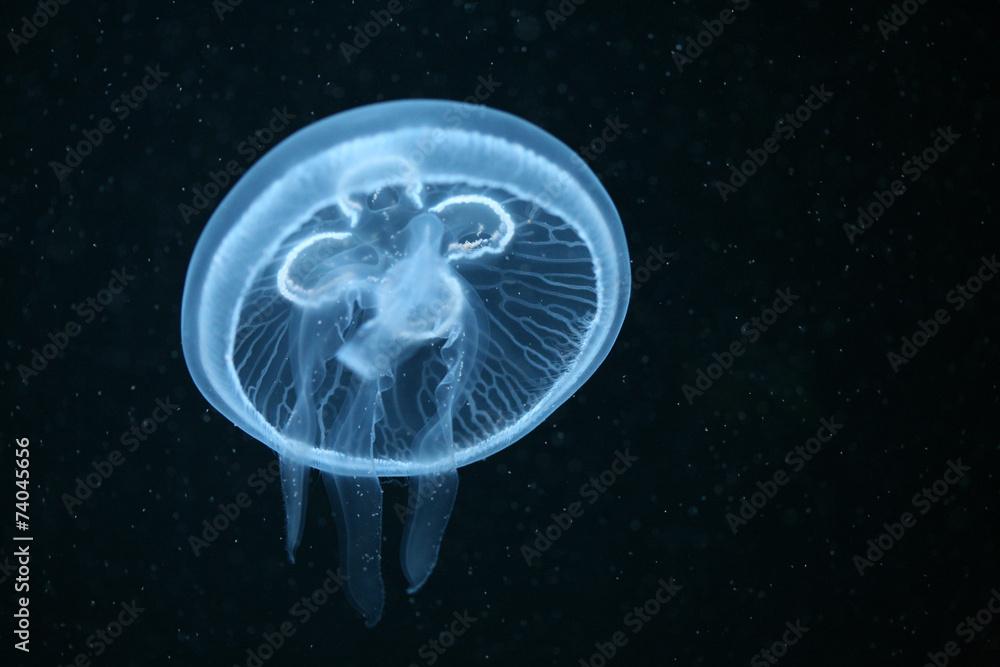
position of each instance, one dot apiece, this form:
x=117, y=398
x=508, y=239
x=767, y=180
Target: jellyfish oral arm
x=432, y=497
x=357, y=505
x=417, y=301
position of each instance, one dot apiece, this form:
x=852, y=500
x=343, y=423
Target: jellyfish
x=397, y=291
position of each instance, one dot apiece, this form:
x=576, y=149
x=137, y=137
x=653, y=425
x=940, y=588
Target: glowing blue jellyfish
x=397, y=291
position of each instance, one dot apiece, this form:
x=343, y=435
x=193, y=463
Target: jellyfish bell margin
x=400, y=290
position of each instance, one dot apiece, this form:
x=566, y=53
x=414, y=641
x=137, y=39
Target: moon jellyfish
x=397, y=291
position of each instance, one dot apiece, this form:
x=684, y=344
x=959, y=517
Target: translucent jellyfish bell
x=397, y=291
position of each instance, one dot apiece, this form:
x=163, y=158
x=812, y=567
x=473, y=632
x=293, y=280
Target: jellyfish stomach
x=419, y=300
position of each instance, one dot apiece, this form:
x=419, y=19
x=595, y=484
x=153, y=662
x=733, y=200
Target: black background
x=666, y=516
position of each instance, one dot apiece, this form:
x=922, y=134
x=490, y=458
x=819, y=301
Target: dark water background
x=665, y=517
